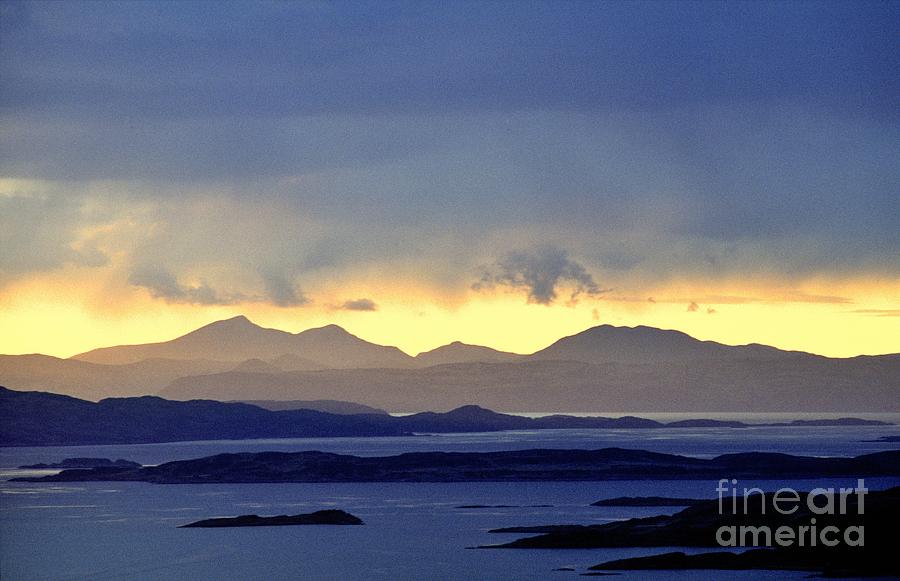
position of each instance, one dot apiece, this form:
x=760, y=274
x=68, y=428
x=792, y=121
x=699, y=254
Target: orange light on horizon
x=57, y=316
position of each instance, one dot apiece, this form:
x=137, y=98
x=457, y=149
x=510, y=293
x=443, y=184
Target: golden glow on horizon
x=66, y=313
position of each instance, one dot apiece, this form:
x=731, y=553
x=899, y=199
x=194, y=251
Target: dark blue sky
x=639, y=140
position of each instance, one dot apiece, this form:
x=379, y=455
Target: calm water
x=412, y=531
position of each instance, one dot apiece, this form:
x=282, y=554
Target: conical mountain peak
x=238, y=322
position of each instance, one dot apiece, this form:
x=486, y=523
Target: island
x=885, y=440
x=31, y=418
x=320, y=517
x=506, y=466
x=72, y=463
x=700, y=526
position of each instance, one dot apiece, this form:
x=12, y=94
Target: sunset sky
x=498, y=173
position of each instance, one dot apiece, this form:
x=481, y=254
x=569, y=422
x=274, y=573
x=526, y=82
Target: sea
x=412, y=531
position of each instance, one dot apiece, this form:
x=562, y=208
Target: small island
x=321, y=517
x=83, y=463
x=885, y=440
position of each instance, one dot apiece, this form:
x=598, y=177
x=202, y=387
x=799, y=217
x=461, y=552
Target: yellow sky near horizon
x=467, y=177
x=137, y=271
x=70, y=311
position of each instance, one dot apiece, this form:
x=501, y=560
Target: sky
x=501, y=173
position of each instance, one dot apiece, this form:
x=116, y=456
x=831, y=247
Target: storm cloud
x=266, y=147
x=163, y=285
x=540, y=274
x=281, y=291
x=39, y=233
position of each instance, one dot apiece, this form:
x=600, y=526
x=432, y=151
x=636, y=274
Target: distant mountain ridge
x=96, y=381
x=802, y=384
x=610, y=344
x=459, y=352
x=604, y=368
x=238, y=339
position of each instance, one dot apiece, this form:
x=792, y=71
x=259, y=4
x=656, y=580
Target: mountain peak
x=239, y=320
x=606, y=327
x=471, y=411
x=330, y=330
x=624, y=333
x=459, y=352
x=643, y=344
x=239, y=324
x=455, y=345
x=233, y=322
